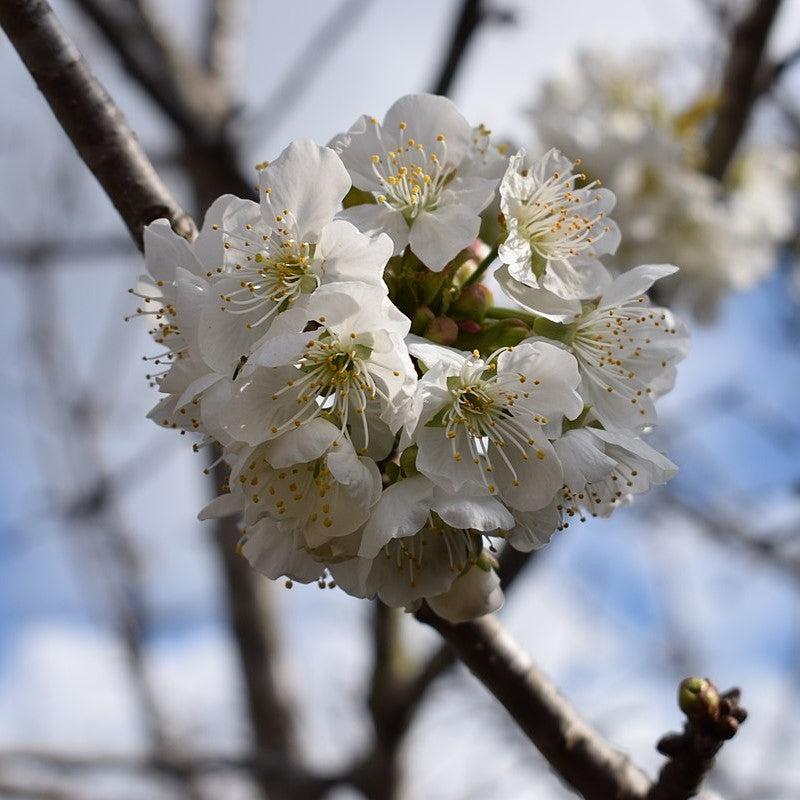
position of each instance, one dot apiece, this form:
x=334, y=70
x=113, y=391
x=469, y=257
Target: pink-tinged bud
x=442, y=330
x=472, y=303
x=423, y=317
x=469, y=327
x=698, y=698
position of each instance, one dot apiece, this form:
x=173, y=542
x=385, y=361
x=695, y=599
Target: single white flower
x=172, y=296
x=418, y=540
x=556, y=231
x=310, y=480
x=355, y=355
x=282, y=249
x=480, y=425
x=604, y=469
x=622, y=344
x=430, y=181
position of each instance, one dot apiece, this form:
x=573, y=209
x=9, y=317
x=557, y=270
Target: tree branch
x=193, y=100
x=472, y=15
x=220, y=39
x=739, y=88
x=90, y=118
x=575, y=750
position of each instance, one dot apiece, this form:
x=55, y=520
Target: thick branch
x=739, y=84
x=90, y=118
x=575, y=750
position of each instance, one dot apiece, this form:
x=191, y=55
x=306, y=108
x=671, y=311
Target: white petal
x=534, y=528
x=223, y=337
x=556, y=371
x=582, y=459
x=345, y=254
x=165, y=251
x=463, y=511
x=356, y=148
x=376, y=218
x=302, y=445
x=634, y=282
x=208, y=244
x=226, y=505
x=427, y=116
x=438, y=236
x=271, y=550
x=539, y=301
x=309, y=181
x=581, y=278
x=403, y=510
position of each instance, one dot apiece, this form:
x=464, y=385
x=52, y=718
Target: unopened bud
x=423, y=316
x=469, y=327
x=698, y=698
x=442, y=330
x=472, y=303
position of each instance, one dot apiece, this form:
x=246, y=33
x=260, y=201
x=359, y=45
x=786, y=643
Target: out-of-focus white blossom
x=623, y=119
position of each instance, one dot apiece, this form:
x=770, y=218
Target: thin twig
x=711, y=719
x=90, y=118
x=472, y=15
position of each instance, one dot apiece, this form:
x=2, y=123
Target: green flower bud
x=442, y=330
x=423, y=316
x=698, y=697
x=472, y=303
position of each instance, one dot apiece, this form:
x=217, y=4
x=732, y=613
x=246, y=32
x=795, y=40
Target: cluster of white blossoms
x=385, y=427
x=620, y=114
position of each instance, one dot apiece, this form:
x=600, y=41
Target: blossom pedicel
x=381, y=459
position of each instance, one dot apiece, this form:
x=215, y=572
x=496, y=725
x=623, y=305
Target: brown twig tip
x=711, y=719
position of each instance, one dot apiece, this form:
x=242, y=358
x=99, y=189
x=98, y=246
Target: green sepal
x=438, y=419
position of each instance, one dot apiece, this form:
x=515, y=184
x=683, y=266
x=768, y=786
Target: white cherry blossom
x=556, y=230
x=429, y=179
x=419, y=539
x=604, y=469
x=310, y=480
x=356, y=355
x=172, y=296
x=622, y=344
x=480, y=425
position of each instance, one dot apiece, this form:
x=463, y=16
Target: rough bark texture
x=90, y=118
